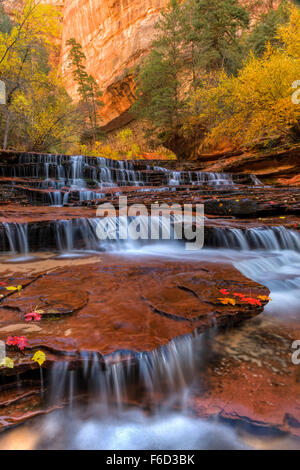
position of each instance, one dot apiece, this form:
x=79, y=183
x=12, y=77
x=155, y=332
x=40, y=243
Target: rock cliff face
x=115, y=34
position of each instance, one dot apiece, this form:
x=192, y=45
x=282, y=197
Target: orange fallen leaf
x=264, y=297
x=227, y=300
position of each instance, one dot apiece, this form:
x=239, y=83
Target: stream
x=166, y=398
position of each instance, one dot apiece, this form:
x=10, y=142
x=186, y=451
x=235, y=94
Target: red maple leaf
x=12, y=341
x=252, y=301
x=19, y=341
x=237, y=294
x=224, y=291
x=22, y=342
x=35, y=316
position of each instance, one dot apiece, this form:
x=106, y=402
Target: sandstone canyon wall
x=115, y=34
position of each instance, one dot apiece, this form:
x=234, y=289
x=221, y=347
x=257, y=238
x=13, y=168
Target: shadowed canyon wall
x=115, y=34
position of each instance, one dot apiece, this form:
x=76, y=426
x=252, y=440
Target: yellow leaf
x=227, y=300
x=7, y=362
x=264, y=297
x=18, y=288
x=39, y=357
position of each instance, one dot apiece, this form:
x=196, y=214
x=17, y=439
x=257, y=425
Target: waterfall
x=74, y=171
x=81, y=234
x=57, y=198
x=273, y=238
x=166, y=370
x=175, y=178
x=17, y=237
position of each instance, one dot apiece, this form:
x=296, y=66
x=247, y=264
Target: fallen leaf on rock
x=224, y=291
x=35, y=316
x=238, y=294
x=252, y=301
x=7, y=362
x=39, y=357
x=227, y=300
x=264, y=297
x=19, y=341
x=12, y=288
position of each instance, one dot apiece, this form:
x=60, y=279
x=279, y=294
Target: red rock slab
x=294, y=181
x=25, y=214
x=250, y=377
x=121, y=303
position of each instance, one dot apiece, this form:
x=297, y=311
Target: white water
x=78, y=173
x=81, y=234
x=133, y=431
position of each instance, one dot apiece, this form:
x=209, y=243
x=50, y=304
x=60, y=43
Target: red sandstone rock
x=250, y=377
x=121, y=304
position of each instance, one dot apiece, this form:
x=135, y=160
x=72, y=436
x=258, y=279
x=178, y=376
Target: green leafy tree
x=5, y=23
x=88, y=91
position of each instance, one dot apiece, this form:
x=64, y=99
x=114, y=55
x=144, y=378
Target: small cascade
x=134, y=233
x=272, y=238
x=76, y=170
x=119, y=378
x=89, y=195
x=56, y=198
x=214, y=179
x=17, y=237
x=175, y=178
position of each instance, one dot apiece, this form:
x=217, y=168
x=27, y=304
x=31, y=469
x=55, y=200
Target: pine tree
x=159, y=95
x=215, y=28
x=265, y=30
x=88, y=90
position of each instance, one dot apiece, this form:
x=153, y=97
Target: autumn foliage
x=256, y=105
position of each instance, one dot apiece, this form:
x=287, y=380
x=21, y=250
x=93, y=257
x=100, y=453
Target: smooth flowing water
x=156, y=414
x=145, y=400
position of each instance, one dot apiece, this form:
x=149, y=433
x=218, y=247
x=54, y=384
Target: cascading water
x=273, y=238
x=17, y=237
x=175, y=178
x=81, y=234
x=116, y=379
x=159, y=381
x=87, y=176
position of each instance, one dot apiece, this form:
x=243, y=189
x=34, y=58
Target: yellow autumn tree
x=38, y=114
x=256, y=105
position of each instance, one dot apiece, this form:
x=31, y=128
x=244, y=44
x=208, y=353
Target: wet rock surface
x=249, y=377
x=109, y=303
x=123, y=304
